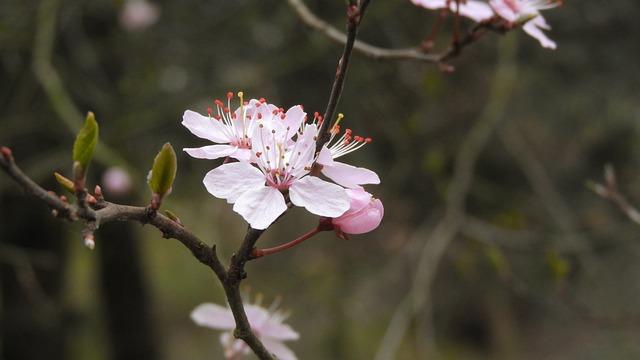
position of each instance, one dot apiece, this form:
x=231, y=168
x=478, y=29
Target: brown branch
x=609, y=191
x=355, y=13
x=379, y=53
x=105, y=212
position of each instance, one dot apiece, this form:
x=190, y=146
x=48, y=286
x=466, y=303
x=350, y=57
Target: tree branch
x=105, y=212
x=380, y=53
x=609, y=191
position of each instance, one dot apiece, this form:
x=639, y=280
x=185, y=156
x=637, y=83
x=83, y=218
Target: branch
x=355, y=13
x=105, y=212
x=609, y=191
x=380, y=53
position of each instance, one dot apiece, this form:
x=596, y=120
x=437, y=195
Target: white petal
x=260, y=207
x=278, y=331
x=205, y=127
x=211, y=151
x=319, y=197
x=294, y=117
x=229, y=181
x=325, y=157
x=531, y=28
x=350, y=176
x=280, y=350
x=242, y=155
x=213, y=316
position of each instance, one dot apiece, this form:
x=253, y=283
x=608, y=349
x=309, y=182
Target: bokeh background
x=492, y=246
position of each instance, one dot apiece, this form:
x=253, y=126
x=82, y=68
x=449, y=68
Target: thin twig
x=609, y=191
x=354, y=17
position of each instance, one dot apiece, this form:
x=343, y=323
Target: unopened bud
x=89, y=241
x=7, y=154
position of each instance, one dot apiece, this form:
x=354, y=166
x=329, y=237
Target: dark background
x=536, y=266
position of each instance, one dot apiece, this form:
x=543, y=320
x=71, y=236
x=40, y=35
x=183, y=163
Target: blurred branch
x=380, y=53
x=53, y=85
x=105, y=212
x=418, y=297
x=609, y=191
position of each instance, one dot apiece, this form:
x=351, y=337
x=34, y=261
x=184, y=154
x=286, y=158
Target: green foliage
x=85, y=143
x=64, y=182
x=164, y=170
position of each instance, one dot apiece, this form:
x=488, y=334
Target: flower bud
x=365, y=214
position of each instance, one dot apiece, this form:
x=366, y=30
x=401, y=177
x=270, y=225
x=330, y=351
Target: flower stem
x=256, y=253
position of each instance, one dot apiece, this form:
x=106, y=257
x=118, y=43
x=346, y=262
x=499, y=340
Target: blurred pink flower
x=344, y=174
x=527, y=12
x=116, y=181
x=138, y=14
x=267, y=326
x=365, y=214
x=476, y=10
x=282, y=165
x=234, y=130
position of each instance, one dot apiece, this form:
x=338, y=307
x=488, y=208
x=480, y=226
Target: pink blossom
x=283, y=153
x=476, y=10
x=139, y=14
x=527, y=12
x=344, y=174
x=365, y=214
x=267, y=325
x=234, y=130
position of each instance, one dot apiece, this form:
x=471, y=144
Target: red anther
x=217, y=117
x=7, y=154
x=258, y=154
x=348, y=132
x=368, y=140
x=283, y=116
x=209, y=111
x=218, y=103
x=226, y=109
x=281, y=110
x=358, y=138
x=275, y=112
x=233, y=116
x=262, y=100
x=316, y=114
x=259, y=116
x=229, y=95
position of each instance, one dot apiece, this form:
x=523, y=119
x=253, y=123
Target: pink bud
x=138, y=14
x=116, y=181
x=365, y=213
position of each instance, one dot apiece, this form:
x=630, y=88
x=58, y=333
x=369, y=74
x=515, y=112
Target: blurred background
x=492, y=247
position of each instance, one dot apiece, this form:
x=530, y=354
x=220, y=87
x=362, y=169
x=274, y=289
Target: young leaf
x=64, y=182
x=85, y=143
x=164, y=171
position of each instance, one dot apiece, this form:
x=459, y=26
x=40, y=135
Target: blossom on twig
x=476, y=10
x=267, y=325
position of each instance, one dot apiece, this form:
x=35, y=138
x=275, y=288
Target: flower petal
x=319, y=197
x=363, y=220
x=242, y=155
x=276, y=330
x=533, y=28
x=229, y=181
x=350, y=176
x=260, y=207
x=280, y=350
x=211, y=151
x=294, y=117
x=213, y=316
x=325, y=157
x=205, y=127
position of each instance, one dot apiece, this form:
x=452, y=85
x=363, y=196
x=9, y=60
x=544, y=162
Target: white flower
x=476, y=10
x=234, y=130
x=283, y=152
x=527, y=12
x=266, y=325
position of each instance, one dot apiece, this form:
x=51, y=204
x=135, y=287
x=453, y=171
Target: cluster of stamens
x=346, y=143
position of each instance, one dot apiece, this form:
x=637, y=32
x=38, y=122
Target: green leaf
x=164, y=171
x=86, y=142
x=64, y=182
